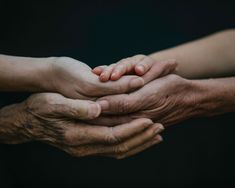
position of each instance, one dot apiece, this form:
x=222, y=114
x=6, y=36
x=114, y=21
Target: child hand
x=140, y=65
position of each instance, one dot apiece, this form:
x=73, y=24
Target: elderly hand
x=53, y=119
x=167, y=100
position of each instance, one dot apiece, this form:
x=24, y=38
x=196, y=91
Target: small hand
x=140, y=65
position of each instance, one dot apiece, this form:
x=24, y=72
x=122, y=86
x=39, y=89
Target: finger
x=75, y=108
x=156, y=140
x=123, y=85
x=144, y=66
x=89, y=134
x=119, y=104
x=123, y=67
x=135, y=142
x=159, y=69
x=118, y=149
x=98, y=70
x=112, y=120
x=105, y=75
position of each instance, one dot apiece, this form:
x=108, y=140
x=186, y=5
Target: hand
x=75, y=79
x=140, y=65
x=167, y=100
x=53, y=119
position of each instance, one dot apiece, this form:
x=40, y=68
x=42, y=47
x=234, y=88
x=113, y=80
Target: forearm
x=23, y=73
x=212, y=56
x=213, y=96
x=12, y=122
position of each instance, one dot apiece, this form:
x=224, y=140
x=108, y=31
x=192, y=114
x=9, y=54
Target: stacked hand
x=117, y=110
x=111, y=110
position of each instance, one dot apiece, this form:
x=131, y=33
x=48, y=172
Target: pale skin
x=211, y=56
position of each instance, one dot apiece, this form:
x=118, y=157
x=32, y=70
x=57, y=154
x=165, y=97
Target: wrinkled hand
x=167, y=100
x=54, y=119
x=75, y=79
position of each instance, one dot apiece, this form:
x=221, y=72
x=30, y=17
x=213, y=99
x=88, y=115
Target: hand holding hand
x=167, y=100
x=75, y=79
x=141, y=65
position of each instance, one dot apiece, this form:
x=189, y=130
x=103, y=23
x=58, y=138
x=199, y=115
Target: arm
x=23, y=73
x=64, y=75
x=212, y=56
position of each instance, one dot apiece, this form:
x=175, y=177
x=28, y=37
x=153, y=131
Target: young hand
x=140, y=65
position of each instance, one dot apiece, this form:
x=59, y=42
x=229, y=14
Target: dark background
x=196, y=152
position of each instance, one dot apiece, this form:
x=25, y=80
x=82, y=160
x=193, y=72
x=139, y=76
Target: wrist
x=213, y=96
x=41, y=74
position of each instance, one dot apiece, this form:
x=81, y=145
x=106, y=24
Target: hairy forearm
x=23, y=73
x=214, y=96
x=212, y=56
x=12, y=124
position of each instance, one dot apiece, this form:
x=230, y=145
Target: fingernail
x=136, y=83
x=94, y=111
x=104, y=105
x=102, y=75
x=114, y=75
x=159, y=128
x=158, y=138
x=141, y=68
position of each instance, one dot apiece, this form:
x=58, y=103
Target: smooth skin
x=211, y=56
x=64, y=75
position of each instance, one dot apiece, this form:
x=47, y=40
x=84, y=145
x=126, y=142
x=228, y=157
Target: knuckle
x=72, y=138
x=124, y=60
x=173, y=77
x=121, y=149
x=146, y=122
x=125, y=105
x=69, y=140
x=140, y=56
x=121, y=66
x=151, y=132
x=111, y=138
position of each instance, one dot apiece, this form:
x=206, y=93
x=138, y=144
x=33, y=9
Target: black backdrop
x=196, y=152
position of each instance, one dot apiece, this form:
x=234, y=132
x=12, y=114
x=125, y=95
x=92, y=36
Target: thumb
x=125, y=84
x=78, y=109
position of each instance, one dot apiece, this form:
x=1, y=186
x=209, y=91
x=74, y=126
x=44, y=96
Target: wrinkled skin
x=54, y=119
x=168, y=100
x=75, y=79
